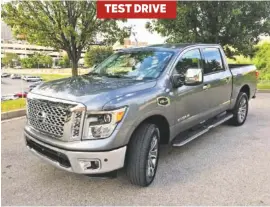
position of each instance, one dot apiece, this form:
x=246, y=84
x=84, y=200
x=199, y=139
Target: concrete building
x=6, y=33
x=23, y=49
x=128, y=43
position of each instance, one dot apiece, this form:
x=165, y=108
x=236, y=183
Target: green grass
x=49, y=77
x=13, y=105
x=263, y=85
x=20, y=103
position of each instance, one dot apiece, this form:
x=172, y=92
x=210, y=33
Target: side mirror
x=194, y=76
x=178, y=80
x=93, y=67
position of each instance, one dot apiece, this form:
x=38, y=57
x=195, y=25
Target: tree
x=37, y=61
x=28, y=62
x=262, y=60
x=67, y=25
x=10, y=58
x=262, y=56
x=64, y=62
x=95, y=55
x=48, y=61
x=233, y=24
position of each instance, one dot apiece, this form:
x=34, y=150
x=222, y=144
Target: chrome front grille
x=48, y=117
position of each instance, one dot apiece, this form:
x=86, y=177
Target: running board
x=187, y=136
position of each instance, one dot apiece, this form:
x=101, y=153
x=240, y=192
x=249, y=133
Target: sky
x=143, y=35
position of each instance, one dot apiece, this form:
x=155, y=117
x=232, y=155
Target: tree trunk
x=74, y=68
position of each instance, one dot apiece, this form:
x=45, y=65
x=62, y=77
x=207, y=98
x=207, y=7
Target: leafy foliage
x=27, y=62
x=9, y=59
x=67, y=25
x=262, y=56
x=261, y=59
x=235, y=23
x=64, y=62
x=240, y=59
x=96, y=55
x=37, y=61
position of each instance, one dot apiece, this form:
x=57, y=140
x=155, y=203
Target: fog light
x=89, y=164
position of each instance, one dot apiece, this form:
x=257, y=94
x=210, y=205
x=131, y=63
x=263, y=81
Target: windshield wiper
x=108, y=75
x=115, y=76
x=94, y=73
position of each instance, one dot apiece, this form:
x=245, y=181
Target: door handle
x=206, y=86
x=227, y=80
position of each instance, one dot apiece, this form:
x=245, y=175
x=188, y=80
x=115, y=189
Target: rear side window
x=190, y=59
x=212, y=60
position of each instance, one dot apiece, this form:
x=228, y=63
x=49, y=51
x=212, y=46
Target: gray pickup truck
x=118, y=114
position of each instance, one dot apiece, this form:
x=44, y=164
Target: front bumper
x=76, y=161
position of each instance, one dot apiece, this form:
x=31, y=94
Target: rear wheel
x=240, y=110
x=143, y=154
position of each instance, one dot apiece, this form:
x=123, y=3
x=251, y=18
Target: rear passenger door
x=217, y=80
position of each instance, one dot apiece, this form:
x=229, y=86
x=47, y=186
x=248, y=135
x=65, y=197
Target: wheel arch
x=245, y=89
x=161, y=122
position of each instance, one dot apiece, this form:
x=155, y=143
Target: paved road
x=10, y=86
x=227, y=166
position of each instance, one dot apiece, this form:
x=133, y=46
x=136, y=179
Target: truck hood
x=92, y=91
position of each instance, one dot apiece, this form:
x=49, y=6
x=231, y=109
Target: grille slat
x=48, y=117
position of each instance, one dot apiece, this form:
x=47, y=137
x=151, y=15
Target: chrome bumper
x=77, y=161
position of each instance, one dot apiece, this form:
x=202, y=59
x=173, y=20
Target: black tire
x=138, y=155
x=237, y=120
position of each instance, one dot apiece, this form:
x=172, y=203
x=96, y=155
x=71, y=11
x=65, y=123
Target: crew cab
x=119, y=114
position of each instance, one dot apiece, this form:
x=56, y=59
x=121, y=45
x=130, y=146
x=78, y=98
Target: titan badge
x=163, y=101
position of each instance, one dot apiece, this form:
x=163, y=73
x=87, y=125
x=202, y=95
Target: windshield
x=137, y=65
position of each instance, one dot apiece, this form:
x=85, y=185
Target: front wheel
x=143, y=154
x=240, y=110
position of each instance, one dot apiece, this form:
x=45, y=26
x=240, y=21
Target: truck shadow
x=179, y=165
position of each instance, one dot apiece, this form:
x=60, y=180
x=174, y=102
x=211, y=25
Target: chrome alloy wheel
x=242, y=110
x=152, y=158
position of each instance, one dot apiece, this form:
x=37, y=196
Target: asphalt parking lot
x=227, y=166
x=10, y=86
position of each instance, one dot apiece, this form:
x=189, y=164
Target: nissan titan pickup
x=119, y=114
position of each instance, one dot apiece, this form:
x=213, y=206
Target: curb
x=263, y=90
x=13, y=114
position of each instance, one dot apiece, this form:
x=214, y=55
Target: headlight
x=102, y=124
x=77, y=121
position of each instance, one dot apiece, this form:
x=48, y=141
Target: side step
x=189, y=135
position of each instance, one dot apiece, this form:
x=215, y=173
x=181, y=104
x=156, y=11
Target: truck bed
x=243, y=74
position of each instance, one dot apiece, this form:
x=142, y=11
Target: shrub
x=10, y=59
x=27, y=62
x=261, y=60
x=37, y=61
x=65, y=62
x=240, y=59
x=262, y=56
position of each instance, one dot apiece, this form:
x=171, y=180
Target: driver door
x=191, y=107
